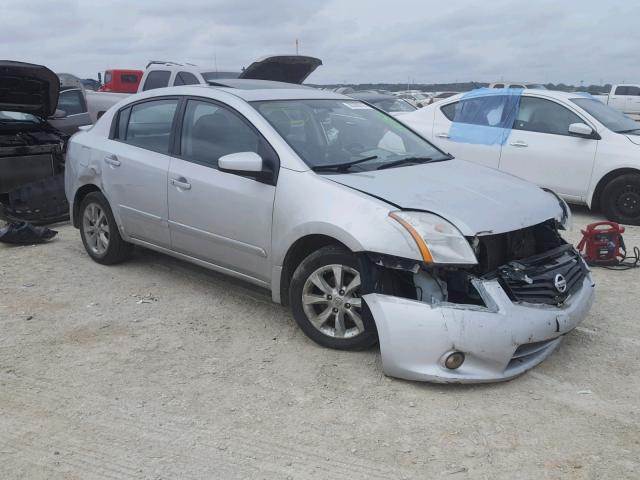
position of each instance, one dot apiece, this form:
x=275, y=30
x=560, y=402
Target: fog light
x=454, y=360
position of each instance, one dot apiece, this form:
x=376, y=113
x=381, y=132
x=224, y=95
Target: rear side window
x=449, y=111
x=627, y=90
x=544, y=116
x=72, y=102
x=128, y=78
x=148, y=124
x=483, y=111
x=185, y=78
x=499, y=85
x=157, y=79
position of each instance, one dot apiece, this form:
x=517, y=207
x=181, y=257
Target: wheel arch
x=297, y=252
x=596, y=197
x=77, y=200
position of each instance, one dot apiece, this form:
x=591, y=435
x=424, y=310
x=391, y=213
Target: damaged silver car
x=366, y=230
x=31, y=148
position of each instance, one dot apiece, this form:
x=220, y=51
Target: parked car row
x=570, y=143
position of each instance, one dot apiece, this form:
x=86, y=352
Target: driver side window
x=544, y=116
x=210, y=131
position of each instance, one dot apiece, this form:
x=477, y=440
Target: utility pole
x=297, y=46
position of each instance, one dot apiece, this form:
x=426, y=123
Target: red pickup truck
x=121, y=81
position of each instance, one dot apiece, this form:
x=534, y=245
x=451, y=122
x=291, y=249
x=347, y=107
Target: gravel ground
x=156, y=369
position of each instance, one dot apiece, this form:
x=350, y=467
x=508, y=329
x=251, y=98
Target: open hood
x=476, y=199
x=282, y=68
x=28, y=88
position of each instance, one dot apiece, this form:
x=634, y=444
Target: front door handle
x=112, y=160
x=442, y=135
x=519, y=143
x=181, y=183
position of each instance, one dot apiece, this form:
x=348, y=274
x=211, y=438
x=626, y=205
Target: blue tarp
x=485, y=116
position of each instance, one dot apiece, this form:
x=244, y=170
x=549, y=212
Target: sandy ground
x=210, y=380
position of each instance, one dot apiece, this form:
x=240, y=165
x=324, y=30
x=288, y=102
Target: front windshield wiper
x=628, y=131
x=414, y=160
x=342, y=167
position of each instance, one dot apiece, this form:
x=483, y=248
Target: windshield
x=331, y=132
x=18, y=117
x=393, y=105
x=610, y=118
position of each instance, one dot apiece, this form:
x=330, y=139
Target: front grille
x=538, y=279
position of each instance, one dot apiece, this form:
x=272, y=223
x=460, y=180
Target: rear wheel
x=99, y=231
x=326, y=300
x=621, y=199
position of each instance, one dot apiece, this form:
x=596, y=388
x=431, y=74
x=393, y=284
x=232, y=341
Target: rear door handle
x=181, y=183
x=112, y=160
x=519, y=143
x=442, y=135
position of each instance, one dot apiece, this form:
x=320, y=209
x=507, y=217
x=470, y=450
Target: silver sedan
x=366, y=230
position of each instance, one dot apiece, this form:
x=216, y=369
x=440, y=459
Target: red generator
x=602, y=244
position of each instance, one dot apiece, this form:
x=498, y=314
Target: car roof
x=260, y=90
x=248, y=84
x=372, y=96
x=524, y=91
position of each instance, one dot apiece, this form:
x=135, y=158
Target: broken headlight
x=439, y=241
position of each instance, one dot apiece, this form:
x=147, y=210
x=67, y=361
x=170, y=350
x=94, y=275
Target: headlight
x=563, y=218
x=438, y=241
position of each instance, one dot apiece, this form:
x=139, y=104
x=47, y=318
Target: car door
x=472, y=128
x=541, y=149
x=136, y=166
x=74, y=106
x=218, y=217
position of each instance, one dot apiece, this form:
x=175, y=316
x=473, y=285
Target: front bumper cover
x=500, y=341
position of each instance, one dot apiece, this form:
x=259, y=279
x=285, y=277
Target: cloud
x=358, y=40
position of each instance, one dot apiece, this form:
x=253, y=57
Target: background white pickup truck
x=624, y=98
x=159, y=74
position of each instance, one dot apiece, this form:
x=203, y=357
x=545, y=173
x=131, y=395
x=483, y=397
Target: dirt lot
x=156, y=369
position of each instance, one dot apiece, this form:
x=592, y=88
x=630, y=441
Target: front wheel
x=621, y=199
x=326, y=300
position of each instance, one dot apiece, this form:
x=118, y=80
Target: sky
x=359, y=41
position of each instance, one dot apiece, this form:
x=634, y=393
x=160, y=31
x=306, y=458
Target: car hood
x=634, y=138
x=476, y=199
x=28, y=88
x=282, y=68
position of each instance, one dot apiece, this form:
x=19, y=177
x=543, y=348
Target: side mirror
x=581, y=130
x=59, y=114
x=243, y=163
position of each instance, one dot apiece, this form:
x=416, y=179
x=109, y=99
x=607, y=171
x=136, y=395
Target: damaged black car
x=31, y=149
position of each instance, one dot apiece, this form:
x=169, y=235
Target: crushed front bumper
x=499, y=341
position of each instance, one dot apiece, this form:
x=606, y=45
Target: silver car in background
x=366, y=230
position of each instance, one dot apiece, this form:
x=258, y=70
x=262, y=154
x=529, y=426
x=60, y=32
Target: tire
x=621, y=199
x=103, y=243
x=352, y=327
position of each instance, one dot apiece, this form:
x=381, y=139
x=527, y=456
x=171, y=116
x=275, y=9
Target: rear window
x=157, y=79
x=149, y=124
x=128, y=78
x=72, y=102
x=185, y=78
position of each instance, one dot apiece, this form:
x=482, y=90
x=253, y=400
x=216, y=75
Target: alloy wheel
x=96, y=228
x=331, y=301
